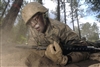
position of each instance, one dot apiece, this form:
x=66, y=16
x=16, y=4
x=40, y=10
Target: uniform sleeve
x=69, y=37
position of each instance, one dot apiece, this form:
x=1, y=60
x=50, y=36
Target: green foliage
x=89, y=31
x=20, y=31
x=94, y=5
x=93, y=37
x=1, y=7
x=21, y=39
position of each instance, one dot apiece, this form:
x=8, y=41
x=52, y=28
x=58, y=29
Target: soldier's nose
x=36, y=26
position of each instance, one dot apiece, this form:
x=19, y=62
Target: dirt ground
x=12, y=56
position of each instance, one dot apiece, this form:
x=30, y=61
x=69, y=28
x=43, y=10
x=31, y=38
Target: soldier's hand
x=54, y=53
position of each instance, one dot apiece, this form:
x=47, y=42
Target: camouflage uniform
x=56, y=31
x=60, y=33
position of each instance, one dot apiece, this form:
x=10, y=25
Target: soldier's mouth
x=38, y=29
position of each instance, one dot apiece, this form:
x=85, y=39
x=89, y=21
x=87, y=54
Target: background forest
x=67, y=11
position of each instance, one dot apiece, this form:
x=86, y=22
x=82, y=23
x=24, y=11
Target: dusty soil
x=11, y=56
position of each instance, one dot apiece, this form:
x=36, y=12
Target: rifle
x=91, y=49
x=32, y=47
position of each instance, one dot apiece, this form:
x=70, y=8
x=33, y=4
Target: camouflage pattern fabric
x=95, y=56
x=38, y=59
x=60, y=33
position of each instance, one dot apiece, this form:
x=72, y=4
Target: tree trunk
x=78, y=24
x=4, y=10
x=11, y=16
x=40, y=1
x=72, y=14
x=58, y=10
x=64, y=12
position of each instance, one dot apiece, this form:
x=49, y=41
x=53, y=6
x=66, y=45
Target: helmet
x=31, y=9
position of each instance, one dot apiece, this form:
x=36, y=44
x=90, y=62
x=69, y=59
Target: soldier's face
x=37, y=23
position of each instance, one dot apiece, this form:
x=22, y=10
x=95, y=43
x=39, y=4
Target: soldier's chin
x=39, y=30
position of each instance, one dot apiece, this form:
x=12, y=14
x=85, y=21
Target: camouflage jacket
x=60, y=33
